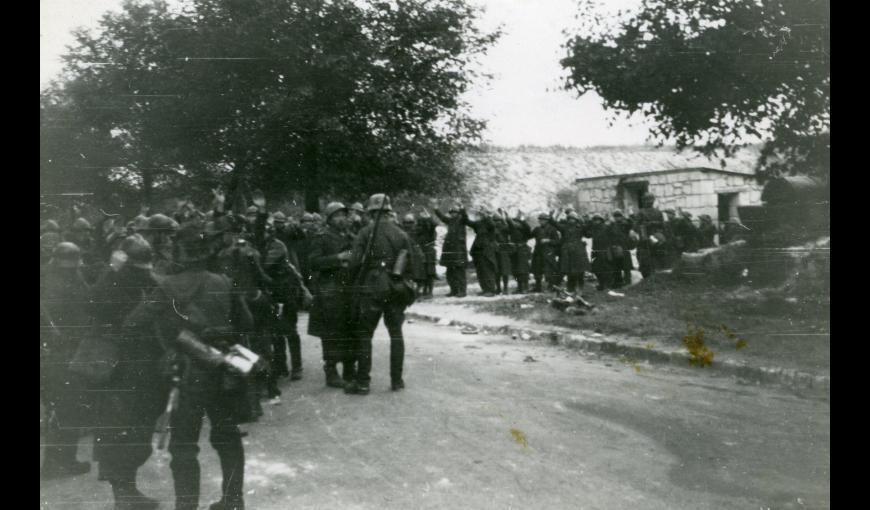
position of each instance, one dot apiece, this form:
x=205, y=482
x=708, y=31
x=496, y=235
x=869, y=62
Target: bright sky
x=523, y=103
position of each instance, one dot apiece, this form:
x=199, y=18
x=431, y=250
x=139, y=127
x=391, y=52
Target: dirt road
x=491, y=423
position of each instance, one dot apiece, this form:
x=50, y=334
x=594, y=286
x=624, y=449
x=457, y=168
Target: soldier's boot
x=333, y=380
x=128, y=497
x=348, y=371
x=356, y=388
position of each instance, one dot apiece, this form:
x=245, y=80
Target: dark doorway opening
x=728, y=203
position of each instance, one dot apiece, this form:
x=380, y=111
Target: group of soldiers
x=501, y=250
x=168, y=299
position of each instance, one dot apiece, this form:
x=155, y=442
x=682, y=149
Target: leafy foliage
x=714, y=74
x=325, y=96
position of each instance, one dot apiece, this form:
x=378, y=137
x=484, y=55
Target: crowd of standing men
x=140, y=322
x=165, y=299
x=500, y=250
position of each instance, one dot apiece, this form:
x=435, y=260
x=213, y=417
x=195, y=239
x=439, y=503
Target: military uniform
x=330, y=312
x=64, y=321
x=573, y=259
x=240, y=262
x=621, y=244
x=601, y=262
x=504, y=253
x=484, y=251
x=133, y=398
x=652, y=248
x=425, y=237
x=205, y=304
x=380, y=292
x=454, y=253
x=519, y=233
x=544, y=258
x=706, y=232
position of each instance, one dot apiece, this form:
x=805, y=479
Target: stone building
x=601, y=179
x=698, y=190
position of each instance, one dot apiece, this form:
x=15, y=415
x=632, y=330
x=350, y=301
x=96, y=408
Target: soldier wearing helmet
x=64, y=322
x=160, y=232
x=545, y=262
x=189, y=308
x=573, y=259
x=483, y=252
x=425, y=237
x=519, y=232
x=409, y=225
x=504, y=251
x=330, y=318
x=382, y=255
x=357, y=217
x=652, y=250
x=284, y=289
x=123, y=438
x=706, y=232
x=454, y=251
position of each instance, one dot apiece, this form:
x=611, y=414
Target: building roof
x=532, y=177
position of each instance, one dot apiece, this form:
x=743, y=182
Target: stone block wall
x=695, y=191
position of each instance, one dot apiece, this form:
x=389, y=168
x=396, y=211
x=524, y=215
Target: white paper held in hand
x=242, y=358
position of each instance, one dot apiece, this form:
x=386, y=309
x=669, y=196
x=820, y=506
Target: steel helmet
x=138, y=251
x=378, y=201
x=66, y=254
x=81, y=224
x=332, y=208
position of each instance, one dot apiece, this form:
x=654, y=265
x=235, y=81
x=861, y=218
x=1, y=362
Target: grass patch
x=763, y=325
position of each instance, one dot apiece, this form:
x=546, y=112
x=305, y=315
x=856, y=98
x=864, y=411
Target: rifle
x=162, y=427
x=354, y=313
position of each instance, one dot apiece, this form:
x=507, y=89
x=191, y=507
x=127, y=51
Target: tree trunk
x=147, y=184
x=312, y=186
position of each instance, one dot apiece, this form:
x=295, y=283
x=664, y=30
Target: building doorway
x=728, y=203
x=631, y=193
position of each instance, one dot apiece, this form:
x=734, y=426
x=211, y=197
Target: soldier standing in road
x=454, y=251
x=544, y=258
x=573, y=259
x=484, y=251
x=64, y=319
x=381, y=258
x=329, y=260
x=621, y=240
x=426, y=236
x=652, y=246
x=601, y=257
x=519, y=233
x=191, y=311
x=418, y=268
x=131, y=401
x=504, y=252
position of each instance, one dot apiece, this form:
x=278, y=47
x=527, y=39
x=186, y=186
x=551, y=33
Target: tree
x=713, y=75
x=318, y=96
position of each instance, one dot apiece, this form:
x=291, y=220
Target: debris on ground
x=470, y=330
x=529, y=359
x=613, y=293
x=570, y=302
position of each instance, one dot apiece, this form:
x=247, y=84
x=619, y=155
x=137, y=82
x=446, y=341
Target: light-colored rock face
x=535, y=179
